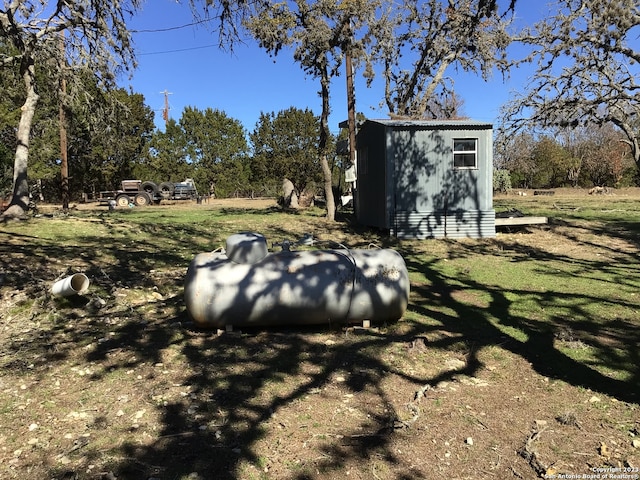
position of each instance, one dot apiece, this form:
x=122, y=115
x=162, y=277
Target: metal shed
x=426, y=178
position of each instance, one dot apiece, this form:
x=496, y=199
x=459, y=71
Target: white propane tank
x=248, y=286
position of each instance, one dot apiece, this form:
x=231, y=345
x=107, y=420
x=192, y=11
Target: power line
x=177, y=51
x=159, y=30
x=167, y=29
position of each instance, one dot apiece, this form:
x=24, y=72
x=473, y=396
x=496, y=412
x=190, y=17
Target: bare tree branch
x=586, y=70
x=417, y=42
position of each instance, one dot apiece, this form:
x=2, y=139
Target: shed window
x=465, y=153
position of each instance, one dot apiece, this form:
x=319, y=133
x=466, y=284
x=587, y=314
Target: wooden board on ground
x=517, y=221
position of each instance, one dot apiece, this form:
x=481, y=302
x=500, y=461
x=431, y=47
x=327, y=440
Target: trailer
x=139, y=193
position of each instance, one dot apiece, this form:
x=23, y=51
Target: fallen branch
x=395, y=422
x=529, y=454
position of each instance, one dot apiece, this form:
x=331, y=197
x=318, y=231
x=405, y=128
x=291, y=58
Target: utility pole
x=165, y=110
x=351, y=96
x=64, y=165
x=351, y=109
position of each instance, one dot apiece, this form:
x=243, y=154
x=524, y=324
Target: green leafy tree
x=104, y=141
x=320, y=34
x=501, y=181
x=44, y=172
x=102, y=155
x=9, y=117
x=285, y=145
x=96, y=39
x=552, y=163
x=217, y=147
x=6, y=159
x=168, y=159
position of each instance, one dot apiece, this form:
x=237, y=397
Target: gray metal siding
x=426, y=179
x=421, y=225
x=417, y=159
x=371, y=192
x=411, y=186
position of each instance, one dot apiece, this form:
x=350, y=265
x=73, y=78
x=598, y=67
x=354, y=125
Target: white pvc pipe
x=71, y=285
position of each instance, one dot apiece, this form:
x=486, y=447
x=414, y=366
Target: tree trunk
x=19, y=204
x=631, y=140
x=322, y=147
x=64, y=164
x=351, y=109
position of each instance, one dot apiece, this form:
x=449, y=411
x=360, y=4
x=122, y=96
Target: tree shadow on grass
x=233, y=388
x=253, y=211
x=614, y=341
x=229, y=409
x=231, y=374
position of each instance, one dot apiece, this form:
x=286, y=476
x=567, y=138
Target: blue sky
x=187, y=63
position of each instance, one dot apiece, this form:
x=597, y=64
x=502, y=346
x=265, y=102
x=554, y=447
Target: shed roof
x=434, y=124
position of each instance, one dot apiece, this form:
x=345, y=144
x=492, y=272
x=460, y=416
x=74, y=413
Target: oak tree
x=586, y=70
x=418, y=42
x=217, y=149
x=96, y=39
x=285, y=146
x=319, y=32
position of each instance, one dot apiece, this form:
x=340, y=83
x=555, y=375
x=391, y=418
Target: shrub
x=501, y=181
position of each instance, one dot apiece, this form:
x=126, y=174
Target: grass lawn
x=518, y=356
